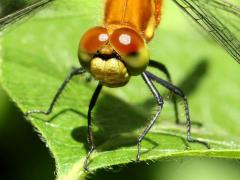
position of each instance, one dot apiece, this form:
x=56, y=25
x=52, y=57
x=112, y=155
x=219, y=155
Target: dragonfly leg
x=159, y=100
x=163, y=68
x=90, y=133
x=180, y=93
x=74, y=72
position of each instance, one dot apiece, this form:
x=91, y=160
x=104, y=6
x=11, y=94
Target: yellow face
x=113, y=58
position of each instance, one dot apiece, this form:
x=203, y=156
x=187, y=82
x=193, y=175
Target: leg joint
x=160, y=101
x=179, y=92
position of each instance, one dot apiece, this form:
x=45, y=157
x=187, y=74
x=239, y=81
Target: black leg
x=164, y=69
x=74, y=72
x=160, y=105
x=180, y=93
x=90, y=134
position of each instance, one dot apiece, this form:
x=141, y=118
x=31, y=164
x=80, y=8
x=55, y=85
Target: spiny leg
x=90, y=134
x=74, y=72
x=180, y=93
x=160, y=105
x=164, y=69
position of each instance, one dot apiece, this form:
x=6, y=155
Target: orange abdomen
x=140, y=15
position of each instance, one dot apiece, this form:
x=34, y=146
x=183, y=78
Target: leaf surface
x=38, y=53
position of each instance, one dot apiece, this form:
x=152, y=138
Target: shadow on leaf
x=118, y=124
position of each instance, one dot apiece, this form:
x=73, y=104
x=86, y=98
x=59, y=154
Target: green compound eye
x=137, y=62
x=130, y=45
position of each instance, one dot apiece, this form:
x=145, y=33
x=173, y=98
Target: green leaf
x=38, y=53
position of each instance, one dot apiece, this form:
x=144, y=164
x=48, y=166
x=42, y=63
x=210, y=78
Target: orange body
x=115, y=52
x=141, y=15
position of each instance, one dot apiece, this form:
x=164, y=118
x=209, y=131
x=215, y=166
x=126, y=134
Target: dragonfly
x=116, y=50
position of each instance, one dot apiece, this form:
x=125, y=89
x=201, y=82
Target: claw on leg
x=85, y=165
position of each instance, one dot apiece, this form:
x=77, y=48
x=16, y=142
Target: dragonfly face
x=112, y=56
x=117, y=51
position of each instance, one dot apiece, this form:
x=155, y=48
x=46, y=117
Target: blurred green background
x=18, y=140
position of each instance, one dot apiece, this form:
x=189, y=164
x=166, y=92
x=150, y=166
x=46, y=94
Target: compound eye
x=90, y=43
x=93, y=40
x=126, y=41
x=131, y=47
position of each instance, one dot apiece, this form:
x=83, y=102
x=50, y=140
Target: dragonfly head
x=113, y=58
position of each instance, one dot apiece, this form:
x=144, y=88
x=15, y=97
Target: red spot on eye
x=126, y=41
x=94, y=39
